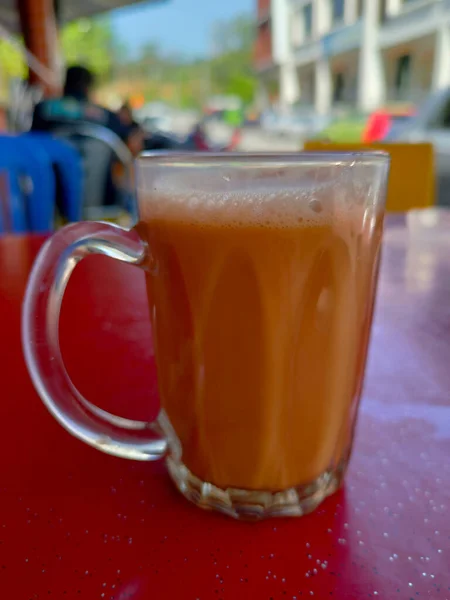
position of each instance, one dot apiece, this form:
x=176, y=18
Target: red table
x=75, y=523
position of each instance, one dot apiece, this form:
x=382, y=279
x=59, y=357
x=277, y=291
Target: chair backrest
x=98, y=147
x=30, y=174
x=411, y=177
x=69, y=170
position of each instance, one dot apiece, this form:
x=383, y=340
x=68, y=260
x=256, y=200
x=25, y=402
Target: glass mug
x=261, y=273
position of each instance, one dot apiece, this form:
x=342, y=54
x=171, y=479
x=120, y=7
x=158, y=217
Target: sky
x=181, y=27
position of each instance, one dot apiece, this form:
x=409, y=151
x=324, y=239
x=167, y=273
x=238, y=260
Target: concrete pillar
x=350, y=12
x=371, y=76
x=40, y=33
x=321, y=17
x=441, y=67
x=289, y=86
x=322, y=70
x=282, y=52
x=393, y=7
x=323, y=86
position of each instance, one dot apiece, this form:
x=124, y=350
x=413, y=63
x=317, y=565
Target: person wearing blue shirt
x=75, y=105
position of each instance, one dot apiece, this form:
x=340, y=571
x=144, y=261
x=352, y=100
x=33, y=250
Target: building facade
x=358, y=53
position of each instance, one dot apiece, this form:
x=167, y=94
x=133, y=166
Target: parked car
x=431, y=124
x=157, y=123
x=383, y=122
x=155, y=117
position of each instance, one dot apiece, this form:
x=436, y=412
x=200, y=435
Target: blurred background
x=281, y=70
x=250, y=75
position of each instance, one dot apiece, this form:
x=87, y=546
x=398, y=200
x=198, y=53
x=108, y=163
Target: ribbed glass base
x=255, y=505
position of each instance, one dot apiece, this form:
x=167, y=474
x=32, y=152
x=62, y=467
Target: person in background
x=135, y=143
x=76, y=105
x=136, y=139
x=144, y=140
x=136, y=135
x=125, y=115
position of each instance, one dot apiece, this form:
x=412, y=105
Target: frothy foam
x=279, y=209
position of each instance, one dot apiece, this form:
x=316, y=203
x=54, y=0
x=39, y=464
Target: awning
x=68, y=10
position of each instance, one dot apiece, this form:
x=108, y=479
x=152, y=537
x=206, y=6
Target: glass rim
x=204, y=159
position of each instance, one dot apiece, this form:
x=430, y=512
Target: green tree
x=11, y=60
x=89, y=42
x=236, y=35
x=12, y=65
x=232, y=66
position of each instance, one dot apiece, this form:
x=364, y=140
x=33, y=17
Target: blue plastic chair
x=30, y=165
x=69, y=164
x=13, y=213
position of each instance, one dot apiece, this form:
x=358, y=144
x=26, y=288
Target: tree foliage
x=185, y=83
x=12, y=66
x=11, y=60
x=188, y=83
x=89, y=42
x=231, y=66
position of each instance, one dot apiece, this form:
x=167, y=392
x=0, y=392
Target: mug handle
x=57, y=259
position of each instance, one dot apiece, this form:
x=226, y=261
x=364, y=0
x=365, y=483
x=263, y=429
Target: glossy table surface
x=75, y=523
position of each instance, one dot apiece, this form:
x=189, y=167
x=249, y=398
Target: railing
x=307, y=52
x=337, y=41
x=413, y=22
x=342, y=39
x=407, y=96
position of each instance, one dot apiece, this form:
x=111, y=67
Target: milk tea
x=261, y=308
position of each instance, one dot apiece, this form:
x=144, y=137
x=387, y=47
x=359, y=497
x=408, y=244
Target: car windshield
x=401, y=119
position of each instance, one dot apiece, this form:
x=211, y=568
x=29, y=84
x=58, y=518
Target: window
x=446, y=117
x=338, y=88
x=307, y=20
x=338, y=10
x=403, y=76
x=382, y=11
x=359, y=8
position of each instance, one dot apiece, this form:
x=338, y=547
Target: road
x=254, y=139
